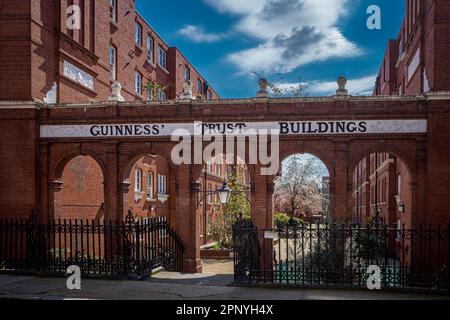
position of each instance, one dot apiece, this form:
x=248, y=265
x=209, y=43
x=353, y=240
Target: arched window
x=187, y=74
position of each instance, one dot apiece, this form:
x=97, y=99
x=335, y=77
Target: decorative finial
x=342, y=91
x=263, y=84
x=116, y=96
x=187, y=91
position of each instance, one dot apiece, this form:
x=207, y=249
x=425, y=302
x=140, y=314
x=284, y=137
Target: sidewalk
x=175, y=286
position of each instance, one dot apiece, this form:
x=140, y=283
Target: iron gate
x=129, y=248
x=342, y=256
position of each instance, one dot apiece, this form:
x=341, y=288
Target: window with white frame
x=138, y=34
x=150, y=45
x=187, y=74
x=138, y=83
x=112, y=63
x=113, y=10
x=162, y=57
x=150, y=185
x=162, y=184
x=162, y=96
x=199, y=86
x=138, y=180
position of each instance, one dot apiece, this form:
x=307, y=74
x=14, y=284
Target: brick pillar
x=44, y=204
x=262, y=201
x=187, y=219
x=342, y=199
x=111, y=184
x=419, y=190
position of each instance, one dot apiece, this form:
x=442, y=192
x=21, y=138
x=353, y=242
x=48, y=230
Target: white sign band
x=349, y=127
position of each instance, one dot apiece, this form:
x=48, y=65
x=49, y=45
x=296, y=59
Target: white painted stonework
x=79, y=76
x=350, y=127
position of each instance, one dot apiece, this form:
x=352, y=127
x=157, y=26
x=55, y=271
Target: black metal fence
x=344, y=256
x=133, y=247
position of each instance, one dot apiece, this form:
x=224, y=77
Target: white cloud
x=197, y=34
x=359, y=86
x=291, y=33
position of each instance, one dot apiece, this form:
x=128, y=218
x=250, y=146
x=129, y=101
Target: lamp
x=224, y=194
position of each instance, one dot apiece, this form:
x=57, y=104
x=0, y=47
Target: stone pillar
x=111, y=184
x=187, y=220
x=342, y=184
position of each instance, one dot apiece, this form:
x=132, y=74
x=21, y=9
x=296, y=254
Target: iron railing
x=345, y=256
x=133, y=247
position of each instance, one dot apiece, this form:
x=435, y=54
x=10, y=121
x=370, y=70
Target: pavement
x=177, y=286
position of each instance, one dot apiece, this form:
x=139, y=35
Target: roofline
x=174, y=47
x=193, y=67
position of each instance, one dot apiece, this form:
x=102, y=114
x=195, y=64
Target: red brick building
x=46, y=57
x=415, y=63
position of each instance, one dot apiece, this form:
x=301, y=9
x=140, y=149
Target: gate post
x=342, y=183
x=187, y=220
x=111, y=187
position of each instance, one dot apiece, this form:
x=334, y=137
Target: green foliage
x=153, y=87
x=222, y=230
x=282, y=221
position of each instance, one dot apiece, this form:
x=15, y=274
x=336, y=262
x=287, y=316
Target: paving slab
x=176, y=286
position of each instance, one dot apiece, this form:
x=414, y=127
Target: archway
x=147, y=188
x=382, y=190
x=302, y=189
x=80, y=192
x=216, y=171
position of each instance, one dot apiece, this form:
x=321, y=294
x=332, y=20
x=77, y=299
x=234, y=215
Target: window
x=209, y=95
x=399, y=185
x=400, y=48
x=162, y=96
x=162, y=57
x=138, y=180
x=162, y=185
x=112, y=63
x=150, y=185
x=199, y=87
x=150, y=44
x=210, y=199
x=113, y=10
x=138, y=34
x=187, y=74
x=138, y=83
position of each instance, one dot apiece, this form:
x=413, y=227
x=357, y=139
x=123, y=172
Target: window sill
x=139, y=48
x=114, y=26
x=163, y=69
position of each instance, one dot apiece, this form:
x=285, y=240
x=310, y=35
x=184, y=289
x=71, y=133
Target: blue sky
x=316, y=41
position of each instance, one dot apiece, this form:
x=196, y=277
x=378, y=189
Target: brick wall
x=36, y=43
x=82, y=192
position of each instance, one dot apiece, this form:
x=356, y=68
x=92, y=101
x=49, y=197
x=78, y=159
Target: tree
x=222, y=229
x=283, y=89
x=298, y=192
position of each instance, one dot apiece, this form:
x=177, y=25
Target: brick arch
x=324, y=151
x=68, y=152
x=133, y=155
x=62, y=156
x=405, y=150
